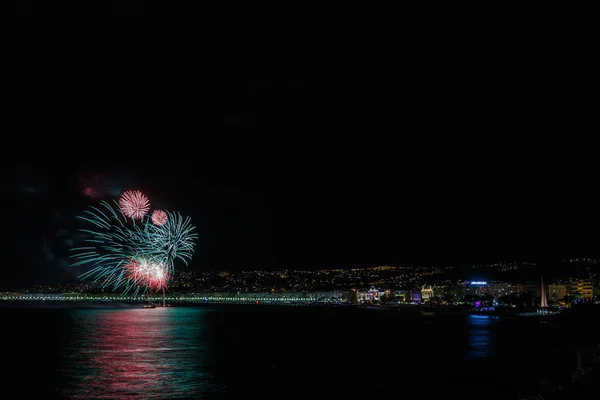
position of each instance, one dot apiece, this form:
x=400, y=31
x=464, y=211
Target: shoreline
x=97, y=304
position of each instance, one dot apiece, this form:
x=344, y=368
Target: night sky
x=482, y=161
x=74, y=8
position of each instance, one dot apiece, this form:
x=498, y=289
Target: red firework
x=159, y=217
x=134, y=204
x=147, y=273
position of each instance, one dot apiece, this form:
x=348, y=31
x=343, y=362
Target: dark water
x=274, y=352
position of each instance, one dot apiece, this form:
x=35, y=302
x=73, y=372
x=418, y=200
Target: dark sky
x=74, y=8
x=486, y=160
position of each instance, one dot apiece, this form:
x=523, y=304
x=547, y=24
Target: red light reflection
x=137, y=354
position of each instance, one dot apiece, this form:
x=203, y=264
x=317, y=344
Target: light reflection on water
x=272, y=352
x=480, y=338
x=137, y=354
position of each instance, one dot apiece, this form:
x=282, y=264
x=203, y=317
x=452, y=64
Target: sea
x=269, y=352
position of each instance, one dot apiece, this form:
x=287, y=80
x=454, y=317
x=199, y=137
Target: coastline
x=506, y=314
x=68, y=305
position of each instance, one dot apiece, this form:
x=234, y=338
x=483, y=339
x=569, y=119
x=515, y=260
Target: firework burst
x=112, y=240
x=134, y=204
x=175, y=239
x=159, y=217
x=128, y=249
x=144, y=272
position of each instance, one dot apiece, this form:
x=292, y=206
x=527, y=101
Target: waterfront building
x=441, y=290
x=499, y=289
x=401, y=294
x=415, y=296
x=557, y=292
x=426, y=293
x=328, y=295
x=496, y=289
x=373, y=294
x=583, y=287
x=530, y=288
x=464, y=288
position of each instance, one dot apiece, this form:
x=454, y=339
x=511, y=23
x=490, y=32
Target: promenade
x=213, y=298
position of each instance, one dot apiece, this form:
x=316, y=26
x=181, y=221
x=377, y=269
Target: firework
x=131, y=252
x=112, y=240
x=142, y=271
x=172, y=240
x=159, y=217
x=134, y=204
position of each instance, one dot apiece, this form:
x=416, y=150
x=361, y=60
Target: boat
x=148, y=306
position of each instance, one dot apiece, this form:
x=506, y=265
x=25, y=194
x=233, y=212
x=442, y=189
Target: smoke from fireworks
x=134, y=204
x=128, y=249
x=98, y=186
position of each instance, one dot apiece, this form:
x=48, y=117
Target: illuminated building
x=426, y=293
x=441, y=290
x=498, y=289
x=328, y=295
x=372, y=294
x=582, y=287
x=520, y=288
x=471, y=288
x=415, y=296
x=557, y=292
x=462, y=289
x=480, y=288
x=532, y=289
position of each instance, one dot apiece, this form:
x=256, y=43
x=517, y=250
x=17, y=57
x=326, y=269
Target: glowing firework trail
x=174, y=239
x=127, y=253
x=144, y=272
x=134, y=204
x=159, y=217
x=112, y=242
